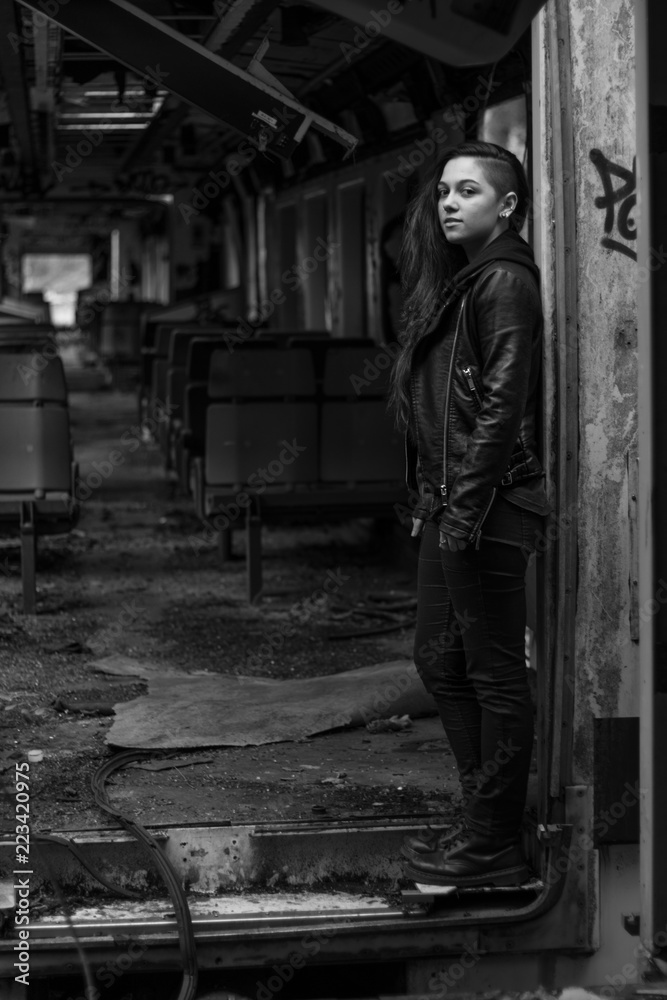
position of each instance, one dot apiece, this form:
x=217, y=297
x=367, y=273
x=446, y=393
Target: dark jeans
x=470, y=654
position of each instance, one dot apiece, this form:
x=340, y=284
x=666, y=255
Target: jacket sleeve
x=507, y=313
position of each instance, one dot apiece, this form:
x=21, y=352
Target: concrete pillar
x=597, y=118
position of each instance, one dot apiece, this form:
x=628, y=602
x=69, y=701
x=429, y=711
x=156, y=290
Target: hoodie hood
x=509, y=246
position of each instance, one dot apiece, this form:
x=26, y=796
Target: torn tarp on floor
x=201, y=710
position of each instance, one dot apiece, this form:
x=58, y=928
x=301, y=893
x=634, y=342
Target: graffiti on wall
x=621, y=223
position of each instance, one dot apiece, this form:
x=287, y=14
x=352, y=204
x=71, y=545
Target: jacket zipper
x=471, y=385
x=443, y=487
x=477, y=533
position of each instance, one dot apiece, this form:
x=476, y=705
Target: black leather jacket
x=475, y=386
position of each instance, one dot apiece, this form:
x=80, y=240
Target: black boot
x=472, y=861
x=432, y=838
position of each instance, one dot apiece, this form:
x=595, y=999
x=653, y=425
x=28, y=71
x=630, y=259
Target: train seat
x=175, y=379
x=262, y=389
x=358, y=443
x=198, y=357
x=35, y=445
x=147, y=351
x=181, y=338
x=161, y=357
x=189, y=428
x=27, y=337
x=120, y=332
x=160, y=363
x=262, y=445
x=288, y=427
x=32, y=379
x=319, y=345
x=190, y=440
x=151, y=354
x=37, y=480
x=284, y=334
x=261, y=371
x=357, y=369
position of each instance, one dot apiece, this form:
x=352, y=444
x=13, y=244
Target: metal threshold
x=253, y=891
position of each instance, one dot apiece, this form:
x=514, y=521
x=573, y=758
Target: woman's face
x=469, y=207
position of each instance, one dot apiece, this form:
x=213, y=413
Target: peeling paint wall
x=603, y=118
x=602, y=43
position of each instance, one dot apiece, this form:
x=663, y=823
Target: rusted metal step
x=253, y=891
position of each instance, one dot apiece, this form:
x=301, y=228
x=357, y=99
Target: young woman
x=465, y=388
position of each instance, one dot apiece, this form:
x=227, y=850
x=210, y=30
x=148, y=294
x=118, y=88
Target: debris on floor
x=185, y=710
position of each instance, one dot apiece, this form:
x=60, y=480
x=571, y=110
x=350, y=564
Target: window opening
x=59, y=277
x=352, y=215
x=287, y=310
x=316, y=270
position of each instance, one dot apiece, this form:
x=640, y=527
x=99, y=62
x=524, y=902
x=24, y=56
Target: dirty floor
x=141, y=578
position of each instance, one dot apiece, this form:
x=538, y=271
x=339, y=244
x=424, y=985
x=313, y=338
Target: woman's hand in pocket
x=451, y=543
x=417, y=526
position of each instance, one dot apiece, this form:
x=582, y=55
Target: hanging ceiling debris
x=105, y=102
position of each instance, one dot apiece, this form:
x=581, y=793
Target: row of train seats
x=116, y=330
x=262, y=397
x=37, y=472
x=293, y=423
x=172, y=375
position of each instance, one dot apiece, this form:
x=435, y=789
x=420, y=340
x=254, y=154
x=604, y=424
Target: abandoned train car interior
x=215, y=739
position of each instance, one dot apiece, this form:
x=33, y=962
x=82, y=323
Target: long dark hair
x=429, y=264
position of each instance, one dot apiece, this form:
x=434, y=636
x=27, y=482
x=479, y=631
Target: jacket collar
x=509, y=246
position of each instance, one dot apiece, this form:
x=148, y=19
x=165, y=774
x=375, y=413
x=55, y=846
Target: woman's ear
x=510, y=201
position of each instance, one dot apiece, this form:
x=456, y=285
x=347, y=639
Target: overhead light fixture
x=112, y=93
x=103, y=127
x=93, y=116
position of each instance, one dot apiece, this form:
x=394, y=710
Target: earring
x=505, y=215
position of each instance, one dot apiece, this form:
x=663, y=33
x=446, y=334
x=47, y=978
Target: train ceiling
x=82, y=116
